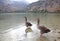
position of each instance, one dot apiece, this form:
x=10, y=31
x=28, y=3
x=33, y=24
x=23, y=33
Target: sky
x=29, y=1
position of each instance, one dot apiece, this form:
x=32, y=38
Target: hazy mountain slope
x=12, y=6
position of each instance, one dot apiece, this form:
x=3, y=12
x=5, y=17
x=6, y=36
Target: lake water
x=10, y=22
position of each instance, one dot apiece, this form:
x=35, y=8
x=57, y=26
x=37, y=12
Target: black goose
x=27, y=23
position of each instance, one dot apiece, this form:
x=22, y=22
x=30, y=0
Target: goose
x=28, y=25
x=43, y=29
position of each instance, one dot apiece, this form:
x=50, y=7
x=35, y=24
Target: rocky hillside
x=45, y=6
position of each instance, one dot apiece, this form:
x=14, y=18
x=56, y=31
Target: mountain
x=13, y=6
x=45, y=6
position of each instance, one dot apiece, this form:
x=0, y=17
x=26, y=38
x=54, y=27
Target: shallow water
x=12, y=27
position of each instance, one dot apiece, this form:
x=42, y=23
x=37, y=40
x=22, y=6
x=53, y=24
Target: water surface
x=12, y=25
